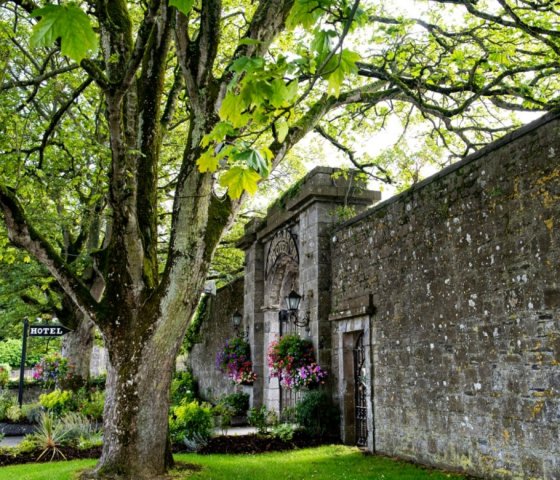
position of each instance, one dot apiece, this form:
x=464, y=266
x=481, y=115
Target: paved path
x=11, y=441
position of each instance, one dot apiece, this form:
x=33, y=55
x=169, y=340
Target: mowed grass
x=335, y=462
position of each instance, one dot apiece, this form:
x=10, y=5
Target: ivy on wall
x=192, y=336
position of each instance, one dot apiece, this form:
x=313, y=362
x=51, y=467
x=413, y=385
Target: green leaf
x=254, y=160
x=208, y=162
x=322, y=41
x=184, y=6
x=281, y=129
x=305, y=13
x=254, y=93
x=238, y=179
x=249, y=41
x=279, y=93
x=231, y=110
x=338, y=68
x=218, y=133
x=70, y=24
x=247, y=64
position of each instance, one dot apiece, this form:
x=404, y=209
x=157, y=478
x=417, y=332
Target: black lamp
x=293, y=300
x=236, y=320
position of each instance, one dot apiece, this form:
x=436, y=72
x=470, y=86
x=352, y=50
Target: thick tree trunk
x=135, y=419
x=77, y=346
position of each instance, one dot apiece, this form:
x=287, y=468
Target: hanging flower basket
x=235, y=361
x=291, y=359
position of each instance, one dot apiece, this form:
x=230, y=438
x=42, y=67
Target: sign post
x=22, y=364
x=39, y=330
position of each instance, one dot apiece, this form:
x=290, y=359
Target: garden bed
x=8, y=457
x=256, y=443
x=250, y=444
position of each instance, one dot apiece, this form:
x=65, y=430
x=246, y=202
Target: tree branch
x=57, y=116
x=24, y=236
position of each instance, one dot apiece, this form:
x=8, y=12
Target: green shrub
x=184, y=388
x=77, y=427
x=190, y=420
x=288, y=415
x=32, y=412
x=93, y=405
x=10, y=351
x=283, y=431
x=95, y=440
x=261, y=418
x=97, y=382
x=223, y=415
x=28, y=444
x=316, y=414
x=52, y=433
x=14, y=414
x=58, y=401
x=239, y=402
x=5, y=370
x=7, y=400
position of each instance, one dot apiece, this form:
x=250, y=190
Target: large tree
x=205, y=97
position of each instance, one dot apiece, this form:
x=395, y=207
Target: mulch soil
x=222, y=444
x=70, y=453
x=260, y=444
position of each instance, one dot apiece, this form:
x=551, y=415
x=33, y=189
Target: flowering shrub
x=51, y=369
x=235, y=361
x=292, y=360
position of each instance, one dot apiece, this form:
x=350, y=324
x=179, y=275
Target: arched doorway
x=281, y=277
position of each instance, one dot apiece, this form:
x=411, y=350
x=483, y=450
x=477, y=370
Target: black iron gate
x=360, y=391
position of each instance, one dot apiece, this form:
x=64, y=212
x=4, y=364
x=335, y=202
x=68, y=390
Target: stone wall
x=461, y=276
x=215, y=329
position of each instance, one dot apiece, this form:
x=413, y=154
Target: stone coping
x=501, y=142
x=317, y=186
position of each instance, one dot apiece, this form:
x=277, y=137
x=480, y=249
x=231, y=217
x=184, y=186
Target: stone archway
x=281, y=276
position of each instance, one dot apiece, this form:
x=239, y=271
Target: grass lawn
x=334, y=462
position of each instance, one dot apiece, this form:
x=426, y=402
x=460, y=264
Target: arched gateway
x=290, y=251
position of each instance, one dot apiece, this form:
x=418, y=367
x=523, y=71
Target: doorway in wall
x=355, y=392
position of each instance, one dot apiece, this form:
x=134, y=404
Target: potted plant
x=235, y=361
x=291, y=359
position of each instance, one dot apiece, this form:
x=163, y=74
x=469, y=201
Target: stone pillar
x=253, y=316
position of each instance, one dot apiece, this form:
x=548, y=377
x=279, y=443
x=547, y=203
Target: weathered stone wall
x=464, y=270
x=215, y=329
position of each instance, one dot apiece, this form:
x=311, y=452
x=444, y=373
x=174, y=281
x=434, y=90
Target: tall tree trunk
x=135, y=418
x=77, y=346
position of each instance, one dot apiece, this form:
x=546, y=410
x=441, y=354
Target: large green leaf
x=70, y=24
x=231, y=110
x=254, y=160
x=238, y=179
x=338, y=68
x=184, y=6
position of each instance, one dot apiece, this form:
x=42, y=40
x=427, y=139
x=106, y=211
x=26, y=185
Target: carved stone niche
x=281, y=269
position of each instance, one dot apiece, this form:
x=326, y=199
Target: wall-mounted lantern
x=236, y=319
x=293, y=300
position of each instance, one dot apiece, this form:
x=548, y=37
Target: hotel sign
x=48, y=330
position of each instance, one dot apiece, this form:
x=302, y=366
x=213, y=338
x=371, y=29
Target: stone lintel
x=357, y=307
